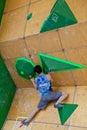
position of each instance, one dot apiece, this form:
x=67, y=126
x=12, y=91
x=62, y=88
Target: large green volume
x=25, y=67
x=51, y=63
x=60, y=16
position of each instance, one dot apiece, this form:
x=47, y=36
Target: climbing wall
x=20, y=37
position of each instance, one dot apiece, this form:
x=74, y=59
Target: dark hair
x=38, y=69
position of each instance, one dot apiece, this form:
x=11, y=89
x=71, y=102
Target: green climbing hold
x=22, y=72
x=24, y=67
x=50, y=63
x=29, y=16
x=65, y=113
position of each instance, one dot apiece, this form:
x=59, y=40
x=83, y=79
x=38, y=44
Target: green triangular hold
x=50, y=63
x=60, y=16
x=66, y=112
x=24, y=67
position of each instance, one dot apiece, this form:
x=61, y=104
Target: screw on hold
x=21, y=72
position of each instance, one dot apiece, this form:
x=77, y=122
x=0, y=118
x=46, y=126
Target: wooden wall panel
x=73, y=36
x=25, y=101
x=13, y=49
x=44, y=43
x=77, y=128
x=13, y=24
x=35, y=1
x=79, y=56
x=12, y=5
x=35, y=59
x=83, y=30
x=40, y=10
x=48, y=127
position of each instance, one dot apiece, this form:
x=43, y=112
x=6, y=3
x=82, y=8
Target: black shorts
x=51, y=96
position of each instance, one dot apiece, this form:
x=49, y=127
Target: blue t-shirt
x=43, y=84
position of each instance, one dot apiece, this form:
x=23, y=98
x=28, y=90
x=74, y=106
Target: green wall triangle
x=60, y=16
x=66, y=112
x=24, y=67
x=50, y=63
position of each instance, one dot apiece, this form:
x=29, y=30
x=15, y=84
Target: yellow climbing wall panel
x=21, y=38
x=79, y=8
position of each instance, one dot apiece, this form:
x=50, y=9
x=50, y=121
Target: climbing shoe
x=58, y=106
x=23, y=122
